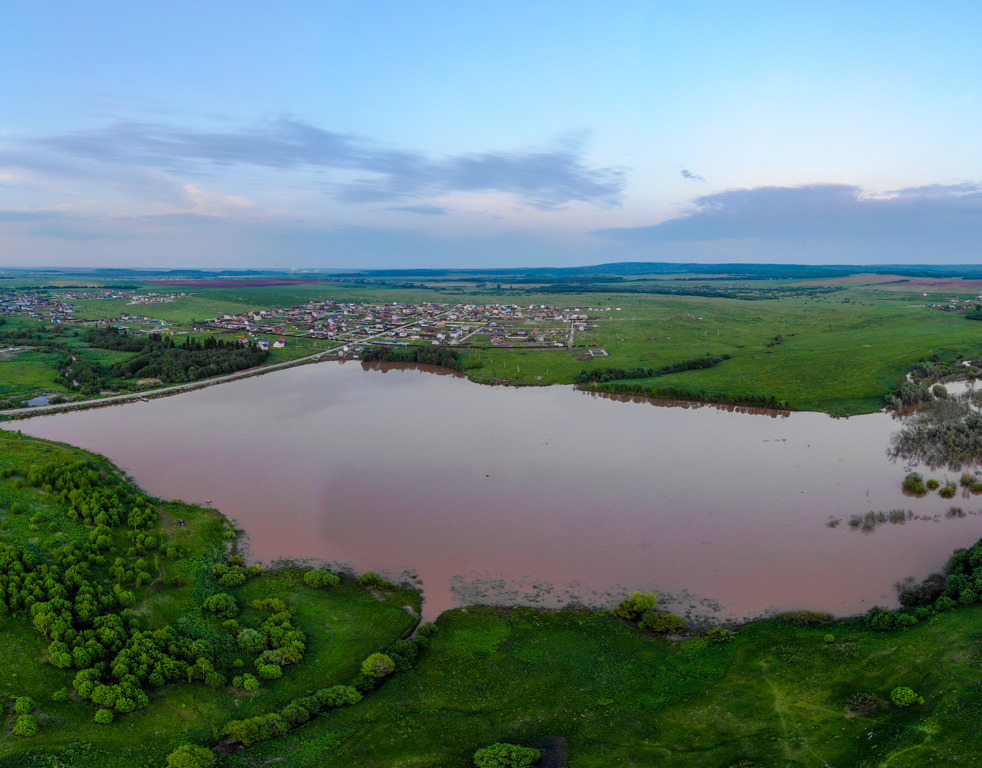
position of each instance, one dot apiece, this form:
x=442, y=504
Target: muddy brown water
x=540, y=496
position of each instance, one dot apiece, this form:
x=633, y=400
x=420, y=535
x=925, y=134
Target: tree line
x=424, y=355
x=614, y=374
x=679, y=393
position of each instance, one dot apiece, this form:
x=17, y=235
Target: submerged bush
x=914, y=483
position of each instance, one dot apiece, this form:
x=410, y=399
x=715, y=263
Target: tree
x=378, y=665
x=24, y=705
x=223, y=604
x=251, y=641
x=635, y=605
x=902, y=696
x=503, y=755
x=191, y=756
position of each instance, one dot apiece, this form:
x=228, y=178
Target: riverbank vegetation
x=134, y=631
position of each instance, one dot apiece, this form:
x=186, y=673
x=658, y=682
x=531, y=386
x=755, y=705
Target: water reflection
x=690, y=404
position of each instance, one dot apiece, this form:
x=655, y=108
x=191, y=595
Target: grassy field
x=837, y=352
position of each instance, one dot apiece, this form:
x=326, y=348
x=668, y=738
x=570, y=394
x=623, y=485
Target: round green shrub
x=24, y=705
x=26, y=725
x=503, y=755
x=902, y=696
x=932, y=484
x=318, y=577
x=378, y=665
x=269, y=671
x=104, y=716
x=191, y=756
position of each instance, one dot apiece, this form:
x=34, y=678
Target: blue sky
x=386, y=134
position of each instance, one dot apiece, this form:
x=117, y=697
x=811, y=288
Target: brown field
x=220, y=282
x=893, y=282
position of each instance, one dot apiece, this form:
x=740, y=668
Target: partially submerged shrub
x=805, y=618
x=635, y=605
x=719, y=636
x=662, y=623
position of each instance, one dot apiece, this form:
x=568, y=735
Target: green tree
x=24, y=705
x=503, y=755
x=191, y=756
x=318, y=577
x=251, y=641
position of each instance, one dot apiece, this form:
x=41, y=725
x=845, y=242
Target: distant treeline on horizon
x=529, y=274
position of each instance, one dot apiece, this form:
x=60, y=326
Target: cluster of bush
x=253, y=730
x=423, y=355
x=914, y=483
x=639, y=608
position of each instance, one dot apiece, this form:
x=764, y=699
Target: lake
x=540, y=496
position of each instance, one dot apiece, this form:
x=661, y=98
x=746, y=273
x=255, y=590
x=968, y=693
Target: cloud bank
x=927, y=222
x=543, y=179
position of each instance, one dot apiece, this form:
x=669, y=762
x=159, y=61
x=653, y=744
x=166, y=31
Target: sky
x=386, y=133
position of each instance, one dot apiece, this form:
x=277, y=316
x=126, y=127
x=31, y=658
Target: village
x=345, y=324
